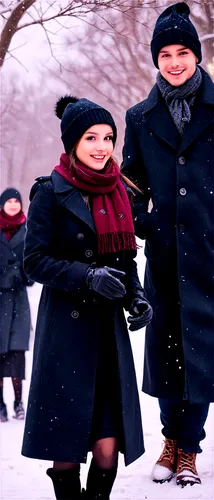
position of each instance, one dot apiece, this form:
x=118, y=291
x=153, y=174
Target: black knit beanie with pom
x=77, y=116
x=173, y=26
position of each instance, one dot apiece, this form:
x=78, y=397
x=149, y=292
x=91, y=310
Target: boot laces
x=169, y=450
x=186, y=462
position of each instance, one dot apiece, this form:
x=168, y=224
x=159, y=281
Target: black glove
x=141, y=312
x=105, y=281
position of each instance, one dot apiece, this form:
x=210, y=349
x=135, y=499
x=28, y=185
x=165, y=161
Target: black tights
x=17, y=386
x=105, y=455
x=102, y=471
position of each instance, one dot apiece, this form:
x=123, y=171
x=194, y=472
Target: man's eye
x=183, y=53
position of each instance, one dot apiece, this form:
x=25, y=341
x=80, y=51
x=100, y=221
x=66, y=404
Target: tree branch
x=10, y=27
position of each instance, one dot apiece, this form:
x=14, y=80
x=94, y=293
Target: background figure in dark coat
x=169, y=153
x=14, y=306
x=80, y=245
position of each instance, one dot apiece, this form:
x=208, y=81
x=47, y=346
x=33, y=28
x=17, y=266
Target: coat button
x=181, y=160
x=183, y=191
x=75, y=314
x=88, y=253
x=181, y=228
x=80, y=236
x=102, y=211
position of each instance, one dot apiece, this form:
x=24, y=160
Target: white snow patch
x=161, y=473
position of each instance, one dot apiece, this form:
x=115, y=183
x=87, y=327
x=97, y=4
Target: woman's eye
x=93, y=138
x=165, y=55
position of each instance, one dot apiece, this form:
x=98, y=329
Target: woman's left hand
x=141, y=314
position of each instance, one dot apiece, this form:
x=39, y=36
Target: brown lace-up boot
x=165, y=467
x=186, y=472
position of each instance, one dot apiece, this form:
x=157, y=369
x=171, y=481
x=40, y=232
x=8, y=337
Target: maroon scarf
x=10, y=224
x=111, y=209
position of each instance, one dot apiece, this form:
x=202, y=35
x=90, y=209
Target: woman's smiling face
x=95, y=146
x=176, y=64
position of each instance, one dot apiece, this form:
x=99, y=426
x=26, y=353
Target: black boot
x=66, y=483
x=99, y=482
x=19, y=410
x=3, y=412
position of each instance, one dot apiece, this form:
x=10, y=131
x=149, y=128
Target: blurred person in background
x=80, y=245
x=168, y=153
x=14, y=306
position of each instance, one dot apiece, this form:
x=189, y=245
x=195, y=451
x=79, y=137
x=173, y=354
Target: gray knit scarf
x=180, y=99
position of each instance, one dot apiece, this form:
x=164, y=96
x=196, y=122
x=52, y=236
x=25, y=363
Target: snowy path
x=24, y=479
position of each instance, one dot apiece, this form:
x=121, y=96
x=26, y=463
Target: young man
x=168, y=153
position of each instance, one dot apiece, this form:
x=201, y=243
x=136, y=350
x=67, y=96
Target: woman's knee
x=105, y=453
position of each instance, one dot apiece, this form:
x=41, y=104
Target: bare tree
x=202, y=12
x=30, y=138
x=118, y=65
x=116, y=68
x=27, y=13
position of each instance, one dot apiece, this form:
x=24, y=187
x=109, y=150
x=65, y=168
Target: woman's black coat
x=14, y=306
x=61, y=244
x=178, y=175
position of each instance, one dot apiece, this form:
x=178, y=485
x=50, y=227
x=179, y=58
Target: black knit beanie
x=173, y=26
x=8, y=194
x=77, y=115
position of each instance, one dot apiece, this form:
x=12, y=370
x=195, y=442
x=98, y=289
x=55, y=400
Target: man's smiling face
x=176, y=64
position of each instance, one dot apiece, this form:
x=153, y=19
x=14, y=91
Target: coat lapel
x=72, y=199
x=201, y=118
x=15, y=240
x=18, y=237
x=161, y=123
x=3, y=238
x=159, y=120
x=202, y=112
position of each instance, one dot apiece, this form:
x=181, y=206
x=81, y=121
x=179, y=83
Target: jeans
x=184, y=422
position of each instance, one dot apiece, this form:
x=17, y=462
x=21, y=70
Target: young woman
x=14, y=306
x=80, y=245
x=169, y=152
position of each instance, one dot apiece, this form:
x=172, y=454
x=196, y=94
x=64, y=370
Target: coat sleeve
x=132, y=284
x=39, y=264
x=133, y=168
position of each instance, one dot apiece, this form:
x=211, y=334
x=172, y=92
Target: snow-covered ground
x=25, y=479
